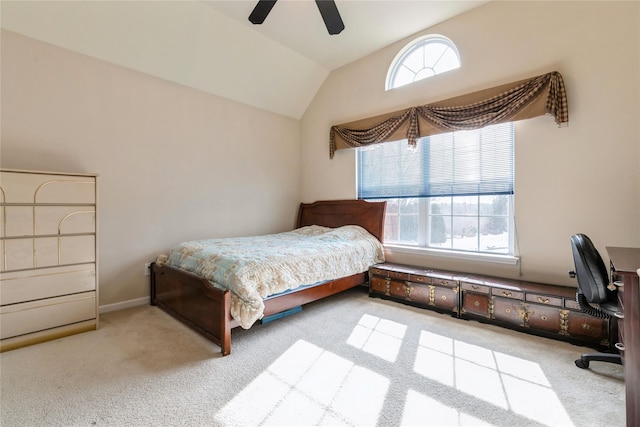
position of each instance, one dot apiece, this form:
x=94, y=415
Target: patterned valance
x=520, y=100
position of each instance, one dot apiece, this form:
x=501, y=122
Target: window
x=422, y=58
x=452, y=191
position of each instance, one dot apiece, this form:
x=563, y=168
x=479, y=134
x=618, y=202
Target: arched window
x=422, y=58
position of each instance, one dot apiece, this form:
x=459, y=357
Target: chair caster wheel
x=582, y=364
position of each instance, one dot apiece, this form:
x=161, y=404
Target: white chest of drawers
x=48, y=256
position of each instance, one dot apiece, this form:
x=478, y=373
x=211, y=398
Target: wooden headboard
x=336, y=213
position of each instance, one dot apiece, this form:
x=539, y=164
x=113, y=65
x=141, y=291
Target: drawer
x=448, y=283
x=620, y=329
x=399, y=289
x=507, y=293
x=621, y=297
x=445, y=298
x=544, y=299
x=509, y=311
x=48, y=220
x=544, y=318
x=571, y=304
x=420, y=293
x=380, y=285
x=390, y=287
x=19, y=319
x=585, y=326
x=40, y=252
x=475, y=304
x=425, y=280
x=398, y=275
x=22, y=286
x=620, y=344
x=378, y=272
x=434, y=296
x=21, y=187
x=474, y=287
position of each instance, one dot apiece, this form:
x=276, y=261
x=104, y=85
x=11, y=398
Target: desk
x=625, y=263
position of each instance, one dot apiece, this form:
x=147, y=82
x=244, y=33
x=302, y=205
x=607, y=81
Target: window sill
x=490, y=258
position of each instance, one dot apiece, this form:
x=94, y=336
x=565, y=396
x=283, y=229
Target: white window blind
x=475, y=162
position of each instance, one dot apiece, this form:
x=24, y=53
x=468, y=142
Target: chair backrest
x=590, y=269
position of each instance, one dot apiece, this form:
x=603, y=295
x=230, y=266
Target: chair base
x=584, y=360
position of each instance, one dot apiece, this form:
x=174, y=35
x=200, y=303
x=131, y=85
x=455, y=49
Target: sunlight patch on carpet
x=380, y=337
x=421, y=410
x=308, y=385
x=507, y=382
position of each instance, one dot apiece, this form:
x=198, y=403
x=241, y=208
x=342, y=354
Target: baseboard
x=124, y=304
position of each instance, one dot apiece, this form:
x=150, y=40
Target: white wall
x=174, y=163
x=181, y=41
x=582, y=178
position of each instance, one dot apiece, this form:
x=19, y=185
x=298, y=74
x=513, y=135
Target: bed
x=205, y=306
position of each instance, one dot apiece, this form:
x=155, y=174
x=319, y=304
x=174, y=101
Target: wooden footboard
x=194, y=301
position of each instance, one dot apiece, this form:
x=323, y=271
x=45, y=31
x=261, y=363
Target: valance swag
x=520, y=100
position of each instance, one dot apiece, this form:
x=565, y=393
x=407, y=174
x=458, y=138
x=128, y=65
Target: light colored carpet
x=348, y=360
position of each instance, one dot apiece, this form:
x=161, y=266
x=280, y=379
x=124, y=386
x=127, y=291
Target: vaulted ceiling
x=211, y=46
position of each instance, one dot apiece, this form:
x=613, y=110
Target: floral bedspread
x=255, y=267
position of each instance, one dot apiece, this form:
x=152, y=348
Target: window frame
x=409, y=49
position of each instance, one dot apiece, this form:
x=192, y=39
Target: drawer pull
x=506, y=294
x=543, y=300
x=476, y=303
x=586, y=326
x=474, y=287
x=619, y=346
x=543, y=317
x=444, y=297
x=507, y=310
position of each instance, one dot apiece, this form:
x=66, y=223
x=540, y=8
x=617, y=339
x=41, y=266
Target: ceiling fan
x=327, y=8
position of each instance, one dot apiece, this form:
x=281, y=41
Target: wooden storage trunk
x=540, y=309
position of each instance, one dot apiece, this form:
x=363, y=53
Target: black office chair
x=593, y=288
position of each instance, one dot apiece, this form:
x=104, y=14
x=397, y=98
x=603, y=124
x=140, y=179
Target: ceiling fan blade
x=331, y=16
x=261, y=11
